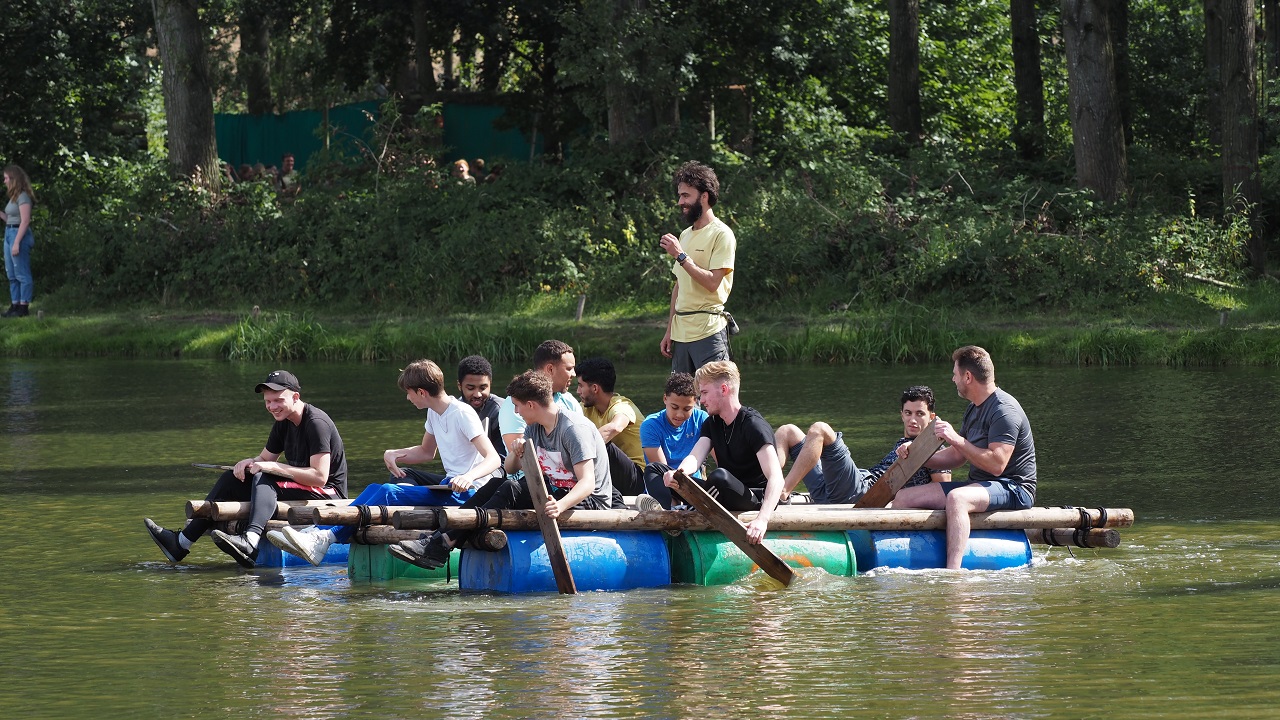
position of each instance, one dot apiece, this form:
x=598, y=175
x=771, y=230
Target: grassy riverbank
x=1197, y=326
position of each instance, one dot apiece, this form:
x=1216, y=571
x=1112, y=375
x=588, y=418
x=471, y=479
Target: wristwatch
x=681, y=258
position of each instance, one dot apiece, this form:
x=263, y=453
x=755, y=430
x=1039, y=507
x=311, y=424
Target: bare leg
x=784, y=438
x=960, y=503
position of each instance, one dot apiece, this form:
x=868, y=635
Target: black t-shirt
x=736, y=444
x=315, y=434
x=489, y=411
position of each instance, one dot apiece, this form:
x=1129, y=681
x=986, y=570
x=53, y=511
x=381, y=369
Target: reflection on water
x=1177, y=622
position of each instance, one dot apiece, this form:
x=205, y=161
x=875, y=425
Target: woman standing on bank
x=18, y=240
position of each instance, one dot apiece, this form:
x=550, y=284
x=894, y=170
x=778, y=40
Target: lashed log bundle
x=406, y=518
x=223, y=510
x=1093, y=538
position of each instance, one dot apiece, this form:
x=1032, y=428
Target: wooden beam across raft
x=784, y=519
x=231, y=510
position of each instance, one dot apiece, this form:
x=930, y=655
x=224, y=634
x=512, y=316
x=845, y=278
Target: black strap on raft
x=442, y=519
x=482, y=521
x=1047, y=535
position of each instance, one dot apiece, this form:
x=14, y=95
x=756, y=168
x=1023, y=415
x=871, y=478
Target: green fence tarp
x=468, y=133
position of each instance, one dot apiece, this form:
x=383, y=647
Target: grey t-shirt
x=11, y=210
x=573, y=440
x=1000, y=419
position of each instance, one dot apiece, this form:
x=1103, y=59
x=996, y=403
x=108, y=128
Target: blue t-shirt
x=676, y=443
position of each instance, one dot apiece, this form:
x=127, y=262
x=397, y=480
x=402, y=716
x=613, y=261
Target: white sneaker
x=647, y=503
x=310, y=544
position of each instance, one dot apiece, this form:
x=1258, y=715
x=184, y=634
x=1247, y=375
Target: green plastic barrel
x=708, y=558
x=372, y=563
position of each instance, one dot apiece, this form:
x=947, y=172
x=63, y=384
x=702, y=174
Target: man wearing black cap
x=315, y=468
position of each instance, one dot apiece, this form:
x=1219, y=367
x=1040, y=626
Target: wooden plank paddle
x=550, y=529
x=886, y=488
x=729, y=526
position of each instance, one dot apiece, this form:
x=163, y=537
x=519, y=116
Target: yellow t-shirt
x=628, y=441
x=711, y=248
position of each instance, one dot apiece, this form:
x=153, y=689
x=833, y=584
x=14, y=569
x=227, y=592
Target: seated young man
x=315, y=468
x=617, y=419
x=572, y=456
x=749, y=476
x=451, y=429
x=475, y=384
x=667, y=436
x=917, y=413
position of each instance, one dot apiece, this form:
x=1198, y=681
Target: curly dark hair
x=681, y=384
x=474, y=365
x=600, y=371
x=701, y=178
x=918, y=392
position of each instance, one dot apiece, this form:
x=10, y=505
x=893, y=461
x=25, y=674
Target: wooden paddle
x=883, y=491
x=550, y=529
x=732, y=528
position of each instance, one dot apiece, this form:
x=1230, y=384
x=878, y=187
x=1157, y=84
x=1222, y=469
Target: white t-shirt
x=454, y=430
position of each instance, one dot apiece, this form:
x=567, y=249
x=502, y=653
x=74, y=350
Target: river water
x=1181, y=621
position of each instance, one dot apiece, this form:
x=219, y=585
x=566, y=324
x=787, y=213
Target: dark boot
x=11, y=312
x=23, y=309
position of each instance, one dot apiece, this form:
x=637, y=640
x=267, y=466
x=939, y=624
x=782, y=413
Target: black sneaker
x=167, y=540
x=237, y=547
x=429, y=554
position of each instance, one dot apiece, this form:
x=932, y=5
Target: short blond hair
x=718, y=371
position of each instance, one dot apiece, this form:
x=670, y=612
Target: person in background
x=288, y=178
x=461, y=172
x=18, y=241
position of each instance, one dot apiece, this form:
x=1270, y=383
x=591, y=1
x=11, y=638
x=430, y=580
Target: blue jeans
x=18, y=269
x=392, y=494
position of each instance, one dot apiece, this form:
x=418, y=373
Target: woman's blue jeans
x=18, y=269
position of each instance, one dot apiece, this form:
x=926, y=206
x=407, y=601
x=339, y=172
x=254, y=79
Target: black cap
x=279, y=380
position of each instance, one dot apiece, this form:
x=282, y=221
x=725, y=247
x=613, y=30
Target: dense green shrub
x=844, y=227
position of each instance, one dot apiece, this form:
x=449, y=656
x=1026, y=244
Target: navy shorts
x=1004, y=494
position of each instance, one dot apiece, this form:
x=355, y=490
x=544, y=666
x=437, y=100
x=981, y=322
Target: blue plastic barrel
x=599, y=561
x=925, y=549
x=270, y=556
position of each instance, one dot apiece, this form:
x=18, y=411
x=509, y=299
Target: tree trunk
x=254, y=62
x=1028, y=82
x=1271, y=29
x=1118, y=17
x=1096, y=127
x=1213, y=69
x=629, y=116
x=423, y=65
x=904, y=69
x=188, y=97
x=1241, y=184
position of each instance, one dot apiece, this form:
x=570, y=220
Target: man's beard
x=693, y=213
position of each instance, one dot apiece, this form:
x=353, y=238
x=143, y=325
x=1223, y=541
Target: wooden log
x=230, y=510
x=550, y=529
x=1093, y=538
x=490, y=540
x=346, y=514
x=784, y=518
x=733, y=529
x=887, y=486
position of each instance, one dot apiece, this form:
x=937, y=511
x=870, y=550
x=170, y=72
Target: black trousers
x=262, y=491
x=511, y=493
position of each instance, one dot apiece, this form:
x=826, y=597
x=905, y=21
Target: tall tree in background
x=1241, y=184
x=188, y=97
x=1028, y=80
x=904, y=69
x=1118, y=23
x=254, y=62
x=1213, y=35
x=1097, y=129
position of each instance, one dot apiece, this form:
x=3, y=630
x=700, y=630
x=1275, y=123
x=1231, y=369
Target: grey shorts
x=1004, y=494
x=687, y=357
x=836, y=479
